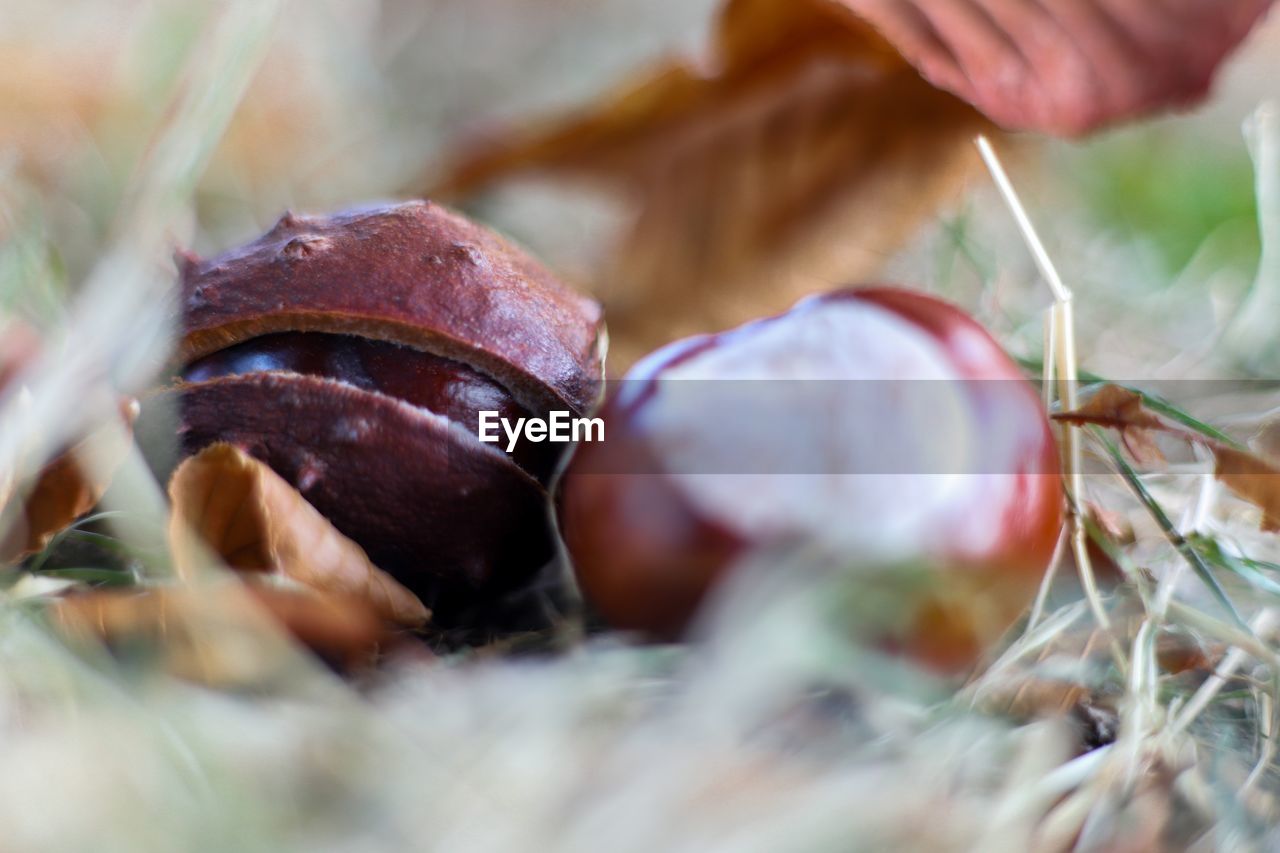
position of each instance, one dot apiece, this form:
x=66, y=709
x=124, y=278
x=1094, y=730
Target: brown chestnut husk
x=353, y=352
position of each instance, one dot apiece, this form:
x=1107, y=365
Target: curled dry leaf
x=1123, y=410
x=256, y=522
x=223, y=634
x=61, y=493
x=344, y=631
x=1066, y=67
x=66, y=488
x=795, y=154
x=1250, y=476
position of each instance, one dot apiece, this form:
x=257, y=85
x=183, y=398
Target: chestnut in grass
x=352, y=353
x=880, y=422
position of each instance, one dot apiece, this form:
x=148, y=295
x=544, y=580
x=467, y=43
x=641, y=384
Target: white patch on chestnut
x=883, y=487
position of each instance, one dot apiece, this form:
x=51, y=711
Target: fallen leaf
x=223, y=634
x=61, y=494
x=1180, y=654
x=791, y=158
x=256, y=522
x=1124, y=411
x=1035, y=687
x=1252, y=478
x=1027, y=687
x=815, y=135
x=1066, y=67
x=344, y=631
x=65, y=489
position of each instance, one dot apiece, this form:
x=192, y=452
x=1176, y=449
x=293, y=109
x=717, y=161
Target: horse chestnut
x=352, y=353
x=883, y=422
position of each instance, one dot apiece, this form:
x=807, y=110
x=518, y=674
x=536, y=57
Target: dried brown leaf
x=65, y=489
x=256, y=522
x=807, y=144
x=1123, y=410
x=1180, y=654
x=343, y=630
x=791, y=158
x=1252, y=478
x=68, y=487
x=61, y=494
x=1027, y=690
x=223, y=634
x=1064, y=66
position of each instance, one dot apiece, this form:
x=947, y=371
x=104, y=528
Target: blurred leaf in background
x=793, y=153
x=813, y=137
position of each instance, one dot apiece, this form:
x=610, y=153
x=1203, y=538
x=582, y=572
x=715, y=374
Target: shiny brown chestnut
x=353, y=352
x=877, y=423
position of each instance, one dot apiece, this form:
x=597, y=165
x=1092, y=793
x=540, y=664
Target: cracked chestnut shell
x=352, y=353
x=877, y=423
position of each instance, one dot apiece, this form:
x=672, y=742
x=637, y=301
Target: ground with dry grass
x=1133, y=708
